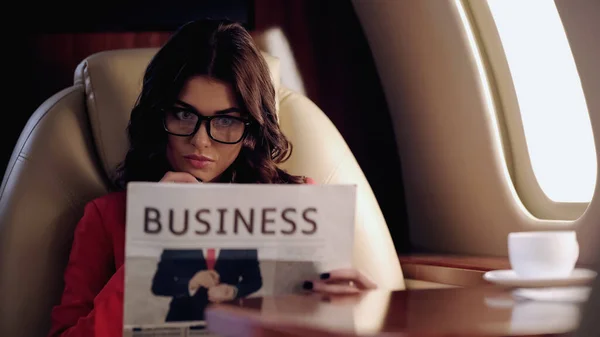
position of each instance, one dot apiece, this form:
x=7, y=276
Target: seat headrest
x=113, y=81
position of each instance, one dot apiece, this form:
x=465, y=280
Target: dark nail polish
x=307, y=285
x=325, y=276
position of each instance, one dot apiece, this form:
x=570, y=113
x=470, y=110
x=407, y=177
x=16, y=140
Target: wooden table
x=473, y=311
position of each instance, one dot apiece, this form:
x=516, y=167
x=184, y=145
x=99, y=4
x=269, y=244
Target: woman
x=206, y=113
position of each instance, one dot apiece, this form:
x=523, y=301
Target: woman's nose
x=201, y=137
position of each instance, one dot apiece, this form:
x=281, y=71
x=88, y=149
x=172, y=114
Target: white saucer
x=579, y=276
x=577, y=294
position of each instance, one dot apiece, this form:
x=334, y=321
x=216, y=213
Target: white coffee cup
x=550, y=254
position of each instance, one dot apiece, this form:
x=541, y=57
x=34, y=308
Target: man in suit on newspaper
x=195, y=278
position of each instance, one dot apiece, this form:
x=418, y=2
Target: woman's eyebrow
x=229, y=110
x=184, y=105
x=219, y=112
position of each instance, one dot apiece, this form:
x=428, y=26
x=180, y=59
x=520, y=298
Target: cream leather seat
x=69, y=149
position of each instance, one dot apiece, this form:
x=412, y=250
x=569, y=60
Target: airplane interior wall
x=580, y=19
x=459, y=194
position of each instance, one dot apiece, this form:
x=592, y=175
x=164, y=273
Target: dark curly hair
x=223, y=50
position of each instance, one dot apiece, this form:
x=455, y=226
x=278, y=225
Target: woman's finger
x=349, y=275
x=179, y=177
x=334, y=289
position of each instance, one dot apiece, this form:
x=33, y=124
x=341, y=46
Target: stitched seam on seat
x=336, y=169
x=87, y=77
x=286, y=95
x=20, y=155
x=68, y=192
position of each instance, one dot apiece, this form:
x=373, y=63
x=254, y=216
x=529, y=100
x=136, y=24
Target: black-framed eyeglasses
x=184, y=121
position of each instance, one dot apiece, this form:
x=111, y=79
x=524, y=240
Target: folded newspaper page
x=190, y=245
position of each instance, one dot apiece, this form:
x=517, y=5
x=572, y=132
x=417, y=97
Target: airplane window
x=550, y=98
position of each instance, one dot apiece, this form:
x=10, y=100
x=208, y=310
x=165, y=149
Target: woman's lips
x=198, y=162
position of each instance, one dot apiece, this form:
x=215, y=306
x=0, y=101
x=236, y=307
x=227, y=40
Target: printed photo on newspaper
x=191, y=245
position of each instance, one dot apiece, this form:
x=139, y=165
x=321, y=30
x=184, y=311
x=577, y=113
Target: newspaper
x=191, y=245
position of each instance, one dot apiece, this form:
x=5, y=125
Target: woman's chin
x=201, y=175
x=205, y=174
x=203, y=178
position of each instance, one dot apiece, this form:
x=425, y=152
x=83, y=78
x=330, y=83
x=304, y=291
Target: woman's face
x=198, y=154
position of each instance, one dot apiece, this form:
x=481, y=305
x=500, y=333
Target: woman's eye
x=184, y=115
x=224, y=122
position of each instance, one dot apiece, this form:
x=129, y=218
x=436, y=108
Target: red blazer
x=92, y=300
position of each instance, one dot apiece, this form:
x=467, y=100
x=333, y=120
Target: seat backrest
x=69, y=149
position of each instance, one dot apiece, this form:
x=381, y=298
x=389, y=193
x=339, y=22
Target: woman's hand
x=339, y=282
x=178, y=177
